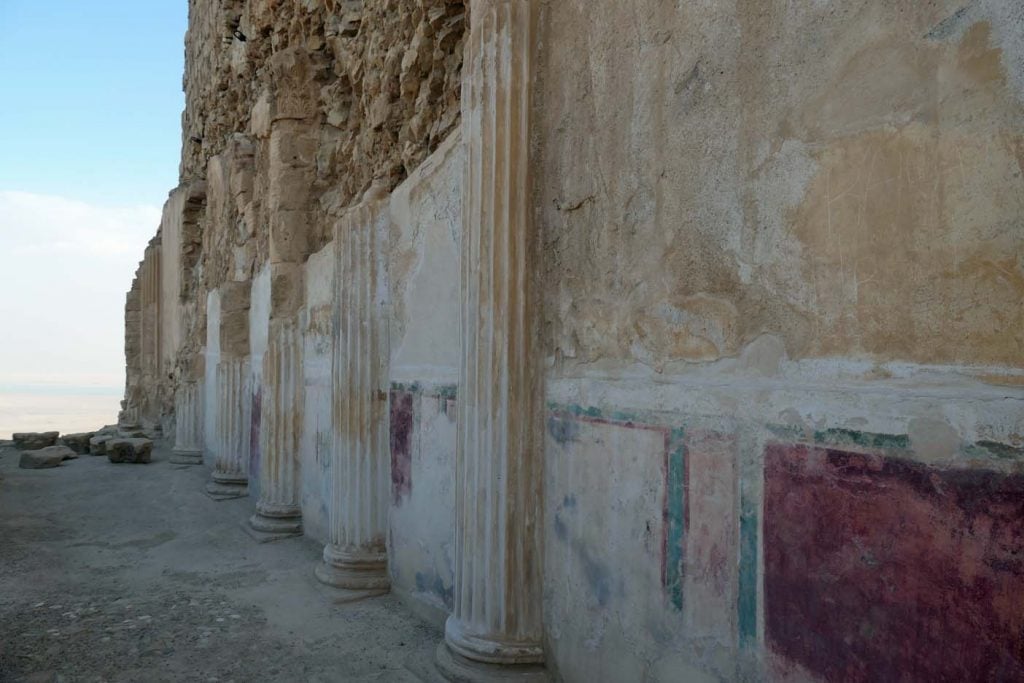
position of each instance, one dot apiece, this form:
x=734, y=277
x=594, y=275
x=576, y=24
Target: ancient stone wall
x=695, y=327
x=293, y=110
x=362, y=91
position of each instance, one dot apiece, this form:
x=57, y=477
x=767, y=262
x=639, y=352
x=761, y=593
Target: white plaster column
x=496, y=629
x=278, y=510
x=234, y=418
x=356, y=557
x=188, y=424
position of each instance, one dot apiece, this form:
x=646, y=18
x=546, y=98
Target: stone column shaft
x=356, y=557
x=278, y=510
x=150, y=335
x=497, y=612
x=188, y=424
x=231, y=466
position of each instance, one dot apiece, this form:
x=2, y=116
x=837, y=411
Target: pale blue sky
x=90, y=114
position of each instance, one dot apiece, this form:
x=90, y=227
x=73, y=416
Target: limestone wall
x=778, y=257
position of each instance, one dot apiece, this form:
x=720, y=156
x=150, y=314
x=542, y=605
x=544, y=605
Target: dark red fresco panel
x=882, y=569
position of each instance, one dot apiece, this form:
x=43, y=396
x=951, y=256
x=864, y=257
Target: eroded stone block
x=129, y=450
x=98, y=443
x=30, y=441
x=79, y=443
x=51, y=456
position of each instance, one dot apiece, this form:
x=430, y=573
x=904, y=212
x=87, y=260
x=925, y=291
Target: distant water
x=54, y=407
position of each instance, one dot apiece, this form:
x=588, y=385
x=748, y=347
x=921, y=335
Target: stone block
x=98, y=443
x=51, y=456
x=79, y=443
x=129, y=450
x=31, y=441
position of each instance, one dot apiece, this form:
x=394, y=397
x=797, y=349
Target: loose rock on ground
x=43, y=458
x=129, y=450
x=79, y=443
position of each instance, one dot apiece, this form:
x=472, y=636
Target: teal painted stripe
x=994, y=449
x=675, y=511
x=747, y=604
x=853, y=437
x=842, y=437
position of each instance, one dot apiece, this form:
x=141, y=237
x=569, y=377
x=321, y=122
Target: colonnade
x=496, y=624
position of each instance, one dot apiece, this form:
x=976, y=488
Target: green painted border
x=675, y=516
x=746, y=606
x=842, y=437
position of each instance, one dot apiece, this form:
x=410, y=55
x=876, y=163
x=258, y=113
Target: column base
x=480, y=648
x=274, y=522
x=454, y=667
x=353, y=570
x=186, y=456
x=227, y=486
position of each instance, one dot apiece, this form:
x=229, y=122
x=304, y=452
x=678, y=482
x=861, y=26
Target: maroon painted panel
x=880, y=569
x=401, y=444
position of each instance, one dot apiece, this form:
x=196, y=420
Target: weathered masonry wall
x=784, y=309
x=743, y=282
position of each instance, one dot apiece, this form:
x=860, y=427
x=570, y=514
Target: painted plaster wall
x=656, y=531
x=909, y=557
x=425, y=217
x=315, y=443
x=423, y=222
x=779, y=227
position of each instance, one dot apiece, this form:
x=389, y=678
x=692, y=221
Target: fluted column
x=496, y=622
x=278, y=510
x=231, y=466
x=188, y=424
x=356, y=557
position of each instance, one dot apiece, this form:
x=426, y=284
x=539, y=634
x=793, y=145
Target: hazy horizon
x=88, y=152
x=89, y=149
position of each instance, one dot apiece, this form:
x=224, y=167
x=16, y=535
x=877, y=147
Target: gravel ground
x=130, y=573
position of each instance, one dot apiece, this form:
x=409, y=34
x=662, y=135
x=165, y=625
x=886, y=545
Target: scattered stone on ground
x=79, y=443
x=51, y=456
x=98, y=443
x=129, y=450
x=32, y=441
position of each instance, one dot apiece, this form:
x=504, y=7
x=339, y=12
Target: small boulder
x=51, y=456
x=129, y=450
x=33, y=441
x=98, y=443
x=79, y=443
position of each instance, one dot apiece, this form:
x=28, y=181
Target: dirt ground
x=131, y=573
